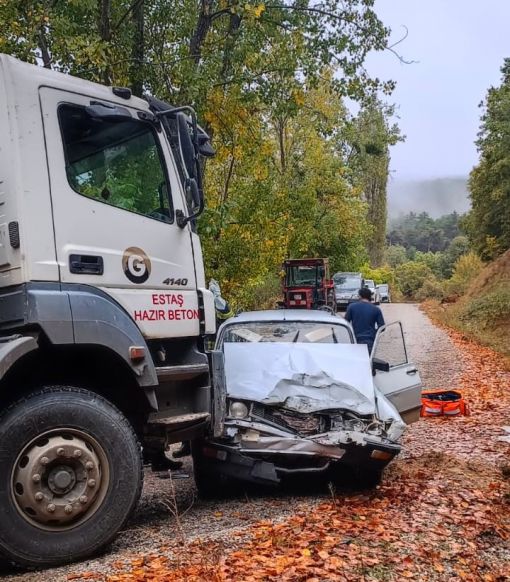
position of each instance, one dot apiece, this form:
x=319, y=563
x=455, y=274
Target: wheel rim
x=60, y=479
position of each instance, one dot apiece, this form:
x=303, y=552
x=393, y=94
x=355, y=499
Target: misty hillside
x=437, y=197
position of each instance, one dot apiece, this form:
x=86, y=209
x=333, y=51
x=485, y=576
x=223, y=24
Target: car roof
x=312, y=315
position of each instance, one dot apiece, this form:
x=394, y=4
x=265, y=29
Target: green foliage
x=466, y=268
x=395, y=255
x=384, y=274
x=431, y=289
x=423, y=233
x=432, y=260
x=488, y=223
x=411, y=276
x=486, y=310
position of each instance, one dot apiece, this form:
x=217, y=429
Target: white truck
x=103, y=305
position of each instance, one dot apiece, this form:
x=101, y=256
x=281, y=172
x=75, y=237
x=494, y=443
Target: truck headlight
x=238, y=410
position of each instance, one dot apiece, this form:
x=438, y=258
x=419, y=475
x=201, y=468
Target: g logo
x=136, y=265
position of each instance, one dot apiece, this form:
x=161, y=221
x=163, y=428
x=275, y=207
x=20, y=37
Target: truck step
x=179, y=428
x=175, y=421
x=182, y=372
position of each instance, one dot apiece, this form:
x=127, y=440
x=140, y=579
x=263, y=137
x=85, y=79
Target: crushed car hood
x=305, y=377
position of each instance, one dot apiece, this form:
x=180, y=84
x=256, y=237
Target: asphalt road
x=170, y=512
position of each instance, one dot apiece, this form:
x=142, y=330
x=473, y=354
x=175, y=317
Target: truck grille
x=300, y=424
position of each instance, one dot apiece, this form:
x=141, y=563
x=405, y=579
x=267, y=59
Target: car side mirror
x=381, y=365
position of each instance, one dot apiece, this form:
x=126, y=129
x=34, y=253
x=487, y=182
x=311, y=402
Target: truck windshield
x=286, y=332
x=303, y=275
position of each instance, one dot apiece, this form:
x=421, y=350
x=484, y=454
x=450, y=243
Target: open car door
x=401, y=384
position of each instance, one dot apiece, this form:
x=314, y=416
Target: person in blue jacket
x=365, y=318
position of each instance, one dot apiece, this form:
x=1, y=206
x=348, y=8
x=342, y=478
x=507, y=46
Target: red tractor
x=307, y=285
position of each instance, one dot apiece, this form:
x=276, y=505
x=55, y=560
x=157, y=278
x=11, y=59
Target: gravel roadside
x=155, y=526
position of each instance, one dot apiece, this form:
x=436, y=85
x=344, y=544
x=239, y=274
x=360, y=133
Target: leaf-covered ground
x=442, y=512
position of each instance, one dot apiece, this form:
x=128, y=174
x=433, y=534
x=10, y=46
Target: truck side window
x=117, y=162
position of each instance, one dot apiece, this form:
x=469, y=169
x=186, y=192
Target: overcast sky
x=459, y=46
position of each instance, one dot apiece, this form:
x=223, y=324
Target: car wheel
x=209, y=483
x=71, y=474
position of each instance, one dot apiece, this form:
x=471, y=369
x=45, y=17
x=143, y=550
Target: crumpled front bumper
x=266, y=458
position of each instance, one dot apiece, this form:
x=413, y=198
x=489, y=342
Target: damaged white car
x=294, y=393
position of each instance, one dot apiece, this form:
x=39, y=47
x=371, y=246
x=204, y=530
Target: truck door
x=115, y=191
x=401, y=384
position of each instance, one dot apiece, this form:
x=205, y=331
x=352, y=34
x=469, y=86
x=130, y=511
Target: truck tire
x=71, y=474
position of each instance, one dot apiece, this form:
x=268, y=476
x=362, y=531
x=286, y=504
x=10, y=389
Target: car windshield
x=303, y=275
x=347, y=282
x=286, y=332
x=383, y=288
x=369, y=283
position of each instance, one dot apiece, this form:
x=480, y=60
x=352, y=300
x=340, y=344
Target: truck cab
x=103, y=304
x=307, y=285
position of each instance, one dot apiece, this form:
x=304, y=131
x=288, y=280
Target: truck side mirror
x=192, y=188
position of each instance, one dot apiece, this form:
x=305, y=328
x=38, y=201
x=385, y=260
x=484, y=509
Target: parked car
x=384, y=293
x=347, y=286
x=376, y=298
x=298, y=395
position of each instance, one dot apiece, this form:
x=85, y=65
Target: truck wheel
x=70, y=476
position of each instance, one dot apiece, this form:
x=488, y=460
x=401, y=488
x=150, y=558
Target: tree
x=458, y=247
x=372, y=137
x=395, y=255
x=422, y=232
x=411, y=276
x=488, y=223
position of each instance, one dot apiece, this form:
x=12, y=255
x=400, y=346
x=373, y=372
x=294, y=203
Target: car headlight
x=355, y=296
x=238, y=410
x=375, y=429
x=356, y=424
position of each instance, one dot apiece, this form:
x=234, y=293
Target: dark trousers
x=368, y=342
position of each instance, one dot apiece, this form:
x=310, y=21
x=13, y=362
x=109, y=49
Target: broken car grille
x=301, y=424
